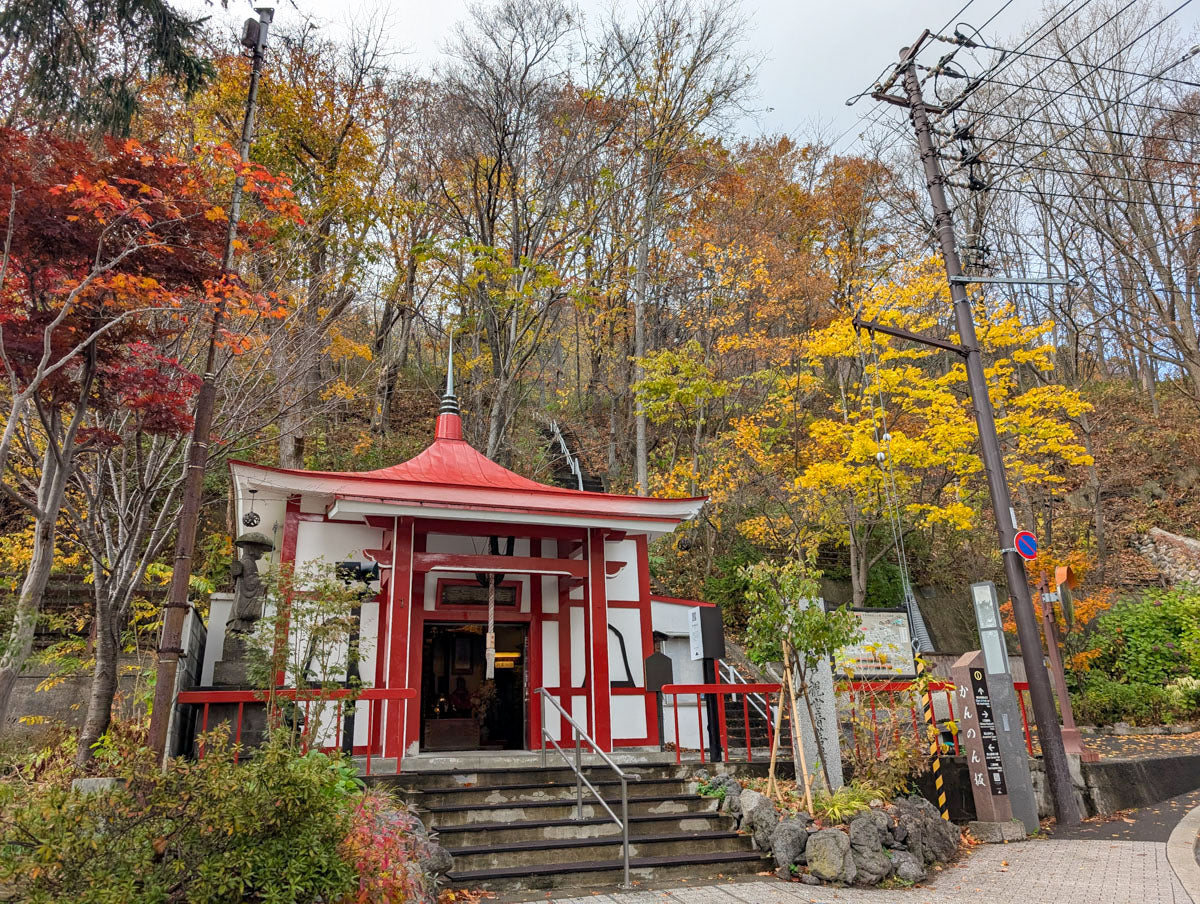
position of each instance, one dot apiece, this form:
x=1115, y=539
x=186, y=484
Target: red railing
x=308, y=696
x=721, y=691
x=894, y=689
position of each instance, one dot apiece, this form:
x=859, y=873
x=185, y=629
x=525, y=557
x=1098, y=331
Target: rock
x=907, y=866
x=758, y=817
x=435, y=859
x=97, y=785
x=871, y=867
x=929, y=837
x=829, y=856
x=788, y=840
x=702, y=775
x=809, y=879
x=868, y=830
x=733, y=804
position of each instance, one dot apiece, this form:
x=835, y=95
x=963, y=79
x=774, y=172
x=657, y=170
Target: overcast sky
x=814, y=53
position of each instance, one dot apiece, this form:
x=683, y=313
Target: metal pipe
x=625, y=828
x=578, y=778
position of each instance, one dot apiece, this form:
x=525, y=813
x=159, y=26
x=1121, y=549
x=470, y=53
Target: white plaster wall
x=313, y=504
x=624, y=584
x=549, y=594
x=629, y=623
x=219, y=606
x=578, y=647
x=335, y=541
x=629, y=717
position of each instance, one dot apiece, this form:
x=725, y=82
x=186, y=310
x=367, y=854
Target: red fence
x=894, y=691
x=722, y=691
x=372, y=697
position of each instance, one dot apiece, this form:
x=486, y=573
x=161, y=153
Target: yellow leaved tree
x=868, y=425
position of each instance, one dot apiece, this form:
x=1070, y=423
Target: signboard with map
x=885, y=650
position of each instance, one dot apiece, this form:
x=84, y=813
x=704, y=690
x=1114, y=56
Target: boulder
x=930, y=838
x=871, y=867
x=868, y=831
x=758, y=817
x=435, y=859
x=907, y=866
x=829, y=856
x=788, y=840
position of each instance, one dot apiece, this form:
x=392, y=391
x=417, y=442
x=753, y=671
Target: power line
x=1093, y=176
x=985, y=77
x=1083, y=152
x=1086, y=126
x=1064, y=59
x=1111, y=57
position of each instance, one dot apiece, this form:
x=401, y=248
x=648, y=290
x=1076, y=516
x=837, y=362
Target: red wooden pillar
x=399, y=624
x=598, y=621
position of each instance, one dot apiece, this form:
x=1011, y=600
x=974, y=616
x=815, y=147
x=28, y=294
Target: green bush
x=1103, y=701
x=1154, y=640
x=268, y=830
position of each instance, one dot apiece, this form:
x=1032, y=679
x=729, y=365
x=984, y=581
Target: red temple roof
x=451, y=476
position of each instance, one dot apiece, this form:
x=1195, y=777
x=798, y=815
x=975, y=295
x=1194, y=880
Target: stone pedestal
x=230, y=674
x=997, y=832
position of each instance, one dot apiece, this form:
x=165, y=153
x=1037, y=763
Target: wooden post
x=772, y=785
x=797, y=737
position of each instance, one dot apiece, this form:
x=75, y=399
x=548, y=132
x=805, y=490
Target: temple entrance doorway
x=460, y=708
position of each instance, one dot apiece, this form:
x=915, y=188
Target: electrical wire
x=1111, y=57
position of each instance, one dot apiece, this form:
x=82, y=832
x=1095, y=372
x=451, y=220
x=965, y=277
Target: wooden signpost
x=981, y=743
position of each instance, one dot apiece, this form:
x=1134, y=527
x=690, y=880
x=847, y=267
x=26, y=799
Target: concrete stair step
x=460, y=814
x=487, y=795
x=481, y=834
x=450, y=778
x=570, y=851
x=598, y=873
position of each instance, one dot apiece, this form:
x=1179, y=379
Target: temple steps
x=513, y=829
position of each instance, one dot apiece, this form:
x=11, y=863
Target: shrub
x=268, y=830
x=386, y=844
x=1103, y=701
x=1153, y=640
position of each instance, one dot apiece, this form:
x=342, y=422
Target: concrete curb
x=1181, y=853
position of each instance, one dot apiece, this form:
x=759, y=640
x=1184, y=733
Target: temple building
x=570, y=593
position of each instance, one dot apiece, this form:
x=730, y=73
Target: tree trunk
x=641, y=450
x=104, y=678
x=29, y=602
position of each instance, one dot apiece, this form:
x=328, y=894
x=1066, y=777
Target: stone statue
x=249, y=594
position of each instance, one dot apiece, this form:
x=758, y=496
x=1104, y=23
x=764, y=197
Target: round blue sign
x=1026, y=544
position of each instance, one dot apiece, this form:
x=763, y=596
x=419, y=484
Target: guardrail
x=307, y=696
x=721, y=691
x=581, y=780
x=894, y=689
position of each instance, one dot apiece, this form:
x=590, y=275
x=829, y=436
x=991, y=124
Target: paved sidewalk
x=1031, y=872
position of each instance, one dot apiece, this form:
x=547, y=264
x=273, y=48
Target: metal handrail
x=581, y=780
x=756, y=700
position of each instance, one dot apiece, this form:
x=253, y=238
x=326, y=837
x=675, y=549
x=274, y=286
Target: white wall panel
x=334, y=541
x=629, y=717
x=549, y=676
x=624, y=584
x=578, y=647
x=629, y=623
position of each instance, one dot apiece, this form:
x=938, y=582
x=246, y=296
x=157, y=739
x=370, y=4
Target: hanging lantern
x=251, y=518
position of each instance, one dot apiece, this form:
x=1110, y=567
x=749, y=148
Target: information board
x=885, y=650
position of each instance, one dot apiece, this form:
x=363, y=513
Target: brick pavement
x=1031, y=872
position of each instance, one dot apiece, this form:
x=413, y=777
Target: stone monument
x=230, y=672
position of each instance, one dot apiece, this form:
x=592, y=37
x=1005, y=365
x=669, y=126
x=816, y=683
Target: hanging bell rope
x=490, y=652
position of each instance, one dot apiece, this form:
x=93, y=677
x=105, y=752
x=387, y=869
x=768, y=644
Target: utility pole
x=1049, y=731
x=170, y=646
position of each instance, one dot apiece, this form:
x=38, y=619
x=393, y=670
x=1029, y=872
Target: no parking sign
x=1026, y=544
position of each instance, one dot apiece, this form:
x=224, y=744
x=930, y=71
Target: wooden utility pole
x=1049, y=731
x=170, y=646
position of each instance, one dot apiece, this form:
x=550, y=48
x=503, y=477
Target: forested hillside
x=573, y=200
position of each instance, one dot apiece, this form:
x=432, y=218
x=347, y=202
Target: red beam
x=447, y=561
